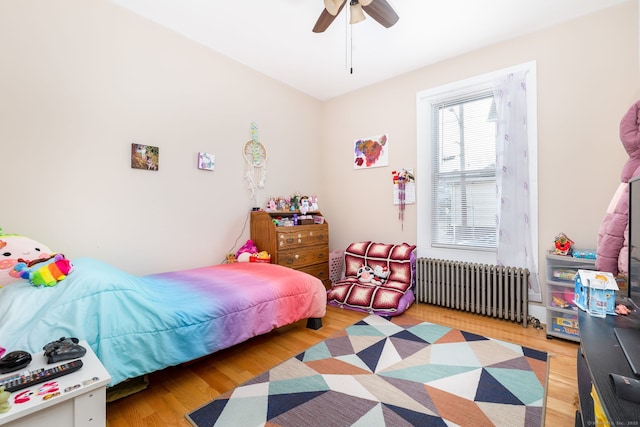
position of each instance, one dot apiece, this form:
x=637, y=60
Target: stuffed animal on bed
x=14, y=249
x=245, y=251
x=46, y=272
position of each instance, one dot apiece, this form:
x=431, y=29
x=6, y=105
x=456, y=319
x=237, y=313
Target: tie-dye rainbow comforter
x=137, y=325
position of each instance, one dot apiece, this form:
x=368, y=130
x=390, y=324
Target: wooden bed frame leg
x=314, y=323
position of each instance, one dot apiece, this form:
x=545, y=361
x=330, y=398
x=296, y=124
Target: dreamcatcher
x=256, y=157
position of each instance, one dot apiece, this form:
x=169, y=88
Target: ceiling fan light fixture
x=355, y=13
x=379, y=10
x=333, y=6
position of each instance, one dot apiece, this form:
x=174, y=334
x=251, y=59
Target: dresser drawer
x=295, y=258
x=302, y=235
x=321, y=271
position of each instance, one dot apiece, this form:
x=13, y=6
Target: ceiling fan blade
x=325, y=19
x=381, y=11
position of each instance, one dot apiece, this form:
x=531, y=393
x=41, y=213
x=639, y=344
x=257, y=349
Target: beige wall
x=587, y=78
x=83, y=79
x=80, y=80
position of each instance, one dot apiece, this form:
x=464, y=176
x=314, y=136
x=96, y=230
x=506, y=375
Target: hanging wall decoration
x=255, y=155
x=145, y=157
x=371, y=152
x=404, y=190
x=206, y=161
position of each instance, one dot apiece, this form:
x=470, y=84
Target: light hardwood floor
x=174, y=392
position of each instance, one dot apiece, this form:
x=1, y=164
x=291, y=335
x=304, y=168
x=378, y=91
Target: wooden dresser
x=301, y=247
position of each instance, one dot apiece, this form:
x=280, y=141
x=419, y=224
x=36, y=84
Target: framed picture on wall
x=371, y=152
x=206, y=161
x=145, y=157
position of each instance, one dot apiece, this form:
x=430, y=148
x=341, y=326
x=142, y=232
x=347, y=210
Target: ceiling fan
x=379, y=10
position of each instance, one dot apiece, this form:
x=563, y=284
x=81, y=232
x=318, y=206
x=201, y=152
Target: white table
x=81, y=400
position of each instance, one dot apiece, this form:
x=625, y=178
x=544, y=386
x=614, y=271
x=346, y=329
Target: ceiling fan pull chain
x=350, y=40
x=351, y=57
x=347, y=30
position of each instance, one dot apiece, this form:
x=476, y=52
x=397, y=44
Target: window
x=463, y=169
x=459, y=217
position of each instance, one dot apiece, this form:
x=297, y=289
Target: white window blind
x=464, y=172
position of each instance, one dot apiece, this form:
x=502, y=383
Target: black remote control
x=37, y=376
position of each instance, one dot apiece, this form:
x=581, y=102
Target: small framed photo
x=206, y=161
x=145, y=157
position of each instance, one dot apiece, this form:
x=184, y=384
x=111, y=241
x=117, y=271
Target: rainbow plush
x=47, y=272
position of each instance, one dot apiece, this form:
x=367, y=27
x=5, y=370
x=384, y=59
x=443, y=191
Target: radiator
x=491, y=290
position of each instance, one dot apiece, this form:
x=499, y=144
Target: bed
x=140, y=324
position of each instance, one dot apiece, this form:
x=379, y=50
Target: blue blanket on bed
x=137, y=325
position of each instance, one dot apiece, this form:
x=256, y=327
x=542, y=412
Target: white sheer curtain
x=515, y=236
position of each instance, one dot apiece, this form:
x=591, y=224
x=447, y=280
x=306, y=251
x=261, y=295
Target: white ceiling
x=275, y=37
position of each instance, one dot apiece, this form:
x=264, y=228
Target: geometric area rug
x=396, y=371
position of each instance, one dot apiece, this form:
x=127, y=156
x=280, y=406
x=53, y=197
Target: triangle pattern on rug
x=392, y=371
x=491, y=390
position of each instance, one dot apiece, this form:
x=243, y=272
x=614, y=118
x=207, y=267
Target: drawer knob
x=320, y=255
x=290, y=240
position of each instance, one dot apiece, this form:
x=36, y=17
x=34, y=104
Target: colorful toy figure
x=313, y=200
x=563, y=244
x=262, y=256
x=245, y=251
x=45, y=272
x=14, y=249
x=304, y=205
